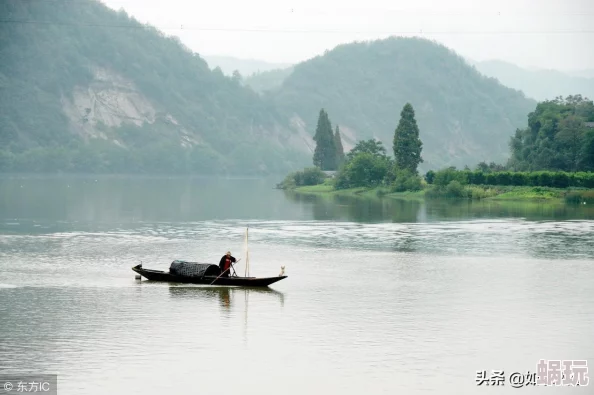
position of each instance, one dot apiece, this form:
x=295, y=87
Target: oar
x=213, y=281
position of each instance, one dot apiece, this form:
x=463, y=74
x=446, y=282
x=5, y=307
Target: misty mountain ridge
x=463, y=116
x=133, y=99
x=539, y=84
x=536, y=83
x=245, y=67
x=584, y=73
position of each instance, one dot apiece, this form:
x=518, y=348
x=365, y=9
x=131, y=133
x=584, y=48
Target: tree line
x=553, y=179
x=367, y=164
x=407, y=146
x=556, y=150
x=559, y=137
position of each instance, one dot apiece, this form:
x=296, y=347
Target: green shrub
x=455, y=190
x=381, y=192
x=519, y=178
x=405, y=180
x=560, y=180
x=444, y=177
x=502, y=178
x=308, y=176
x=476, y=178
x=539, y=178
x=544, y=179
x=363, y=170
x=580, y=197
x=430, y=176
x=481, y=193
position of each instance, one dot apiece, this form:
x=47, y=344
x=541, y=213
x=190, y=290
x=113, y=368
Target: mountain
x=538, y=84
x=259, y=75
x=87, y=88
x=585, y=73
x=463, y=116
x=268, y=80
x=246, y=67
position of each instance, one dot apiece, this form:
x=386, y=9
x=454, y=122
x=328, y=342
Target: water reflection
x=95, y=201
x=366, y=209
x=533, y=211
x=224, y=295
x=36, y=205
x=352, y=208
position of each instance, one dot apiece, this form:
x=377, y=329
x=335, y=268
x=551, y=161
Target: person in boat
x=225, y=263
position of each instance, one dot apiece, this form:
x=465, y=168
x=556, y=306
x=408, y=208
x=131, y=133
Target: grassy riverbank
x=447, y=184
x=328, y=190
x=508, y=193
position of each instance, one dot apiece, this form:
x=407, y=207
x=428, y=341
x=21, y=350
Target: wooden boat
x=208, y=274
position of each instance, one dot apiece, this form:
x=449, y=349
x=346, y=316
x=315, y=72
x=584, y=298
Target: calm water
x=382, y=297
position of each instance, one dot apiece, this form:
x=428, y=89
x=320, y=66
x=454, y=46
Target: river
x=382, y=296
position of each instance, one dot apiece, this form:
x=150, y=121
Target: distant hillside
x=86, y=88
x=261, y=76
x=464, y=117
x=268, y=80
x=246, y=67
x=585, y=73
x=537, y=84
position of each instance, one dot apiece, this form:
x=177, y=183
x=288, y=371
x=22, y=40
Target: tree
x=325, y=152
x=555, y=137
x=363, y=170
x=371, y=146
x=407, y=145
x=483, y=167
x=339, y=149
x=236, y=77
x=588, y=151
x=571, y=136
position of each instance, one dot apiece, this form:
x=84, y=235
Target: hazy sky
x=531, y=33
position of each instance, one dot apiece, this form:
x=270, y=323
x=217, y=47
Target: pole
x=229, y=268
x=247, y=253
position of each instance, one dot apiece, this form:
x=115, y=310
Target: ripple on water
x=510, y=237
x=366, y=308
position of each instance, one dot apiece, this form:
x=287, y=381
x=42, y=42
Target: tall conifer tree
x=339, y=148
x=407, y=145
x=325, y=152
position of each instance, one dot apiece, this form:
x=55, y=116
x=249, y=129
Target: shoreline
x=499, y=193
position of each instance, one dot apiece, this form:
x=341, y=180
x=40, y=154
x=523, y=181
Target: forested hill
x=463, y=117
x=86, y=88
x=89, y=89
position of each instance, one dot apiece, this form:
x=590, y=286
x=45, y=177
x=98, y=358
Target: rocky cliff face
x=108, y=101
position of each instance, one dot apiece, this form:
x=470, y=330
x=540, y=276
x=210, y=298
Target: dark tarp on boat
x=193, y=269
